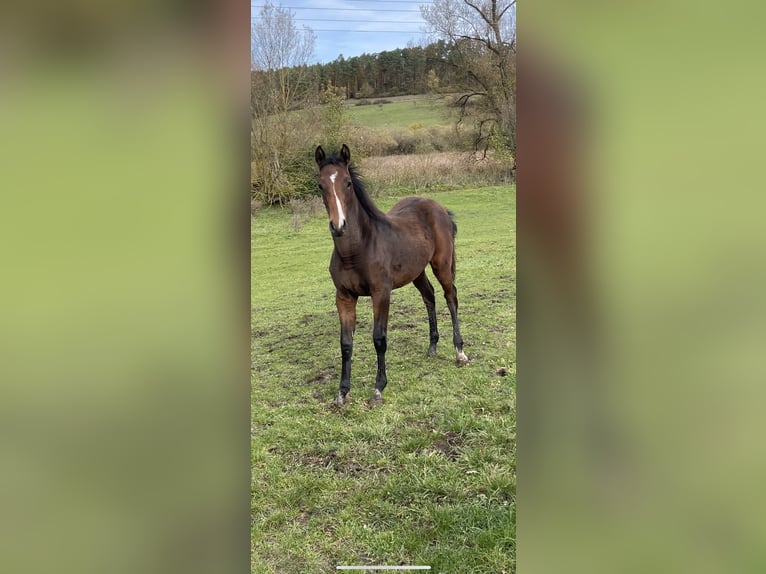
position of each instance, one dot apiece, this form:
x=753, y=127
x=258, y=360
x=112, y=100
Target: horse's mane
x=360, y=191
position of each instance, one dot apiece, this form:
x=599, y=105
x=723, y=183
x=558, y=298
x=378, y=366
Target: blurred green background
x=124, y=297
x=641, y=397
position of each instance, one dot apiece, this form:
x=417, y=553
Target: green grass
x=402, y=114
x=428, y=477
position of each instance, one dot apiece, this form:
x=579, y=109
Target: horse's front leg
x=346, y=305
x=381, y=301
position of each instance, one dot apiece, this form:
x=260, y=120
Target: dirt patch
x=448, y=444
x=350, y=468
x=347, y=465
x=500, y=296
x=281, y=342
x=322, y=378
x=405, y=326
x=306, y=319
x=303, y=518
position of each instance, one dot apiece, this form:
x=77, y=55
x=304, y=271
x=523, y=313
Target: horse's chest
x=351, y=282
x=350, y=275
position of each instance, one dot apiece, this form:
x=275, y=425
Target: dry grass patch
x=432, y=170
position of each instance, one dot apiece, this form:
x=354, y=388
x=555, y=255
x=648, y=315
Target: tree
x=335, y=120
x=432, y=81
x=281, y=82
x=482, y=36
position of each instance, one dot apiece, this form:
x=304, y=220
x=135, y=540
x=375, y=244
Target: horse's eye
x=348, y=185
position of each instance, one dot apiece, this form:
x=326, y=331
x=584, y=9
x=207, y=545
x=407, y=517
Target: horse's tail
x=454, y=234
x=454, y=225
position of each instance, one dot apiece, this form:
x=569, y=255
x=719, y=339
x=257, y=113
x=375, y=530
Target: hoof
x=339, y=400
x=461, y=359
x=377, y=397
x=431, y=351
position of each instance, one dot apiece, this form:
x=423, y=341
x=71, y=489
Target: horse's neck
x=360, y=228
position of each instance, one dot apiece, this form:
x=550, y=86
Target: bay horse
x=377, y=252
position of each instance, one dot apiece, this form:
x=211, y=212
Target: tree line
x=437, y=67
x=410, y=70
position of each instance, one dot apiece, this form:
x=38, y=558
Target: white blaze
x=341, y=216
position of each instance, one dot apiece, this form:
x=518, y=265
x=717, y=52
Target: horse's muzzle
x=337, y=232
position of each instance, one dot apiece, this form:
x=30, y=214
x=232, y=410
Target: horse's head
x=337, y=187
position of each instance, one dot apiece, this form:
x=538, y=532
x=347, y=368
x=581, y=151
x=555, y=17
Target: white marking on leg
x=462, y=359
x=341, y=216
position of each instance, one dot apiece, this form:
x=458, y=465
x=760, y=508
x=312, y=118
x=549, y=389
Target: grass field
x=428, y=478
x=402, y=114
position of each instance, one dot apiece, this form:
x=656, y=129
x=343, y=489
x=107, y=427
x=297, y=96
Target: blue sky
x=354, y=27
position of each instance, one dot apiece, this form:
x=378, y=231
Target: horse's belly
x=404, y=273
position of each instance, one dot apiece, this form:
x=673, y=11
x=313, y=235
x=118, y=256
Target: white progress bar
x=382, y=567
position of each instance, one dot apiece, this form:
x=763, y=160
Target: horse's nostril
x=337, y=231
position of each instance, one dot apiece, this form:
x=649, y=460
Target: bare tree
x=280, y=52
x=483, y=38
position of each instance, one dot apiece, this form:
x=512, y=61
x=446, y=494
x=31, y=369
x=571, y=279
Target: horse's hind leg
x=427, y=291
x=444, y=273
x=457, y=339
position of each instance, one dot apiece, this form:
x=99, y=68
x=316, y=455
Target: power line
x=370, y=1
x=359, y=21
x=338, y=9
x=392, y=1
x=421, y=22
x=368, y=31
x=371, y=31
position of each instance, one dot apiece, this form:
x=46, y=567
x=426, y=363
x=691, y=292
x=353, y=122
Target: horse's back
x=421, y=210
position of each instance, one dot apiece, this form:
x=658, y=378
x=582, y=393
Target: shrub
x=370, y=142
x=275, y=180
x=409, y=141
x=502, y=151
x=304, y=209
x=285, y=169
x=443, y=138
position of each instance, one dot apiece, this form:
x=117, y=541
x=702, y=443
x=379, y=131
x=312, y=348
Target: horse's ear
x=319, y=154
x=345, y=154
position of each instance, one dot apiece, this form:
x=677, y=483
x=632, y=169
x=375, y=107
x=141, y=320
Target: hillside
x=401, y=112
